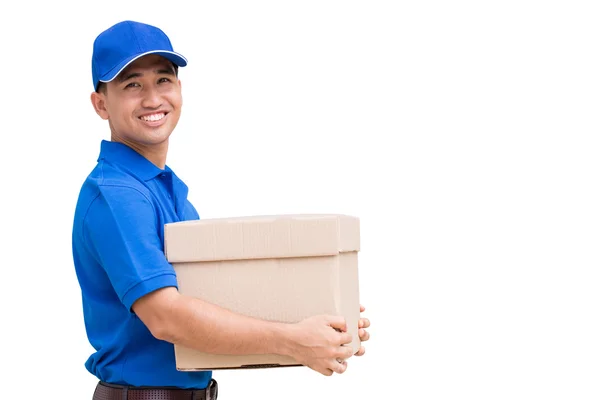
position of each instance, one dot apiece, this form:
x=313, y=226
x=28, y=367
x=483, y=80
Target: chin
x=159, y=135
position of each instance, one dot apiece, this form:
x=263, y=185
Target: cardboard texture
x=281, y=268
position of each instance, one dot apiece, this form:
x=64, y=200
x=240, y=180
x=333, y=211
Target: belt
x=107, y=391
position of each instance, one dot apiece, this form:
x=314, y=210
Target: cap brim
x=176, y=58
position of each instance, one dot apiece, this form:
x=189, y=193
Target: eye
x=132, y=84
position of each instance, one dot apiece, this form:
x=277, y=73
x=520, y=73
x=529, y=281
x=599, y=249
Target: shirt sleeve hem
x=149, y=285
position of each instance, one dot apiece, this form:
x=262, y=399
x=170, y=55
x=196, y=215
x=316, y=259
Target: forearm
x=317, y=341
x=194, y=323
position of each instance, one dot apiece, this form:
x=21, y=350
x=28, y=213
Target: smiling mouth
x=153, y=117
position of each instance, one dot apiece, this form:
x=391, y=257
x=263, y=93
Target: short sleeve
x=121, y=229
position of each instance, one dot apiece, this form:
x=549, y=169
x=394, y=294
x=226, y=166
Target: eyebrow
x=160, y=71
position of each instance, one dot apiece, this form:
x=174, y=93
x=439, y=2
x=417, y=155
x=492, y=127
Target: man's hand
x=363, y=324
x=317, y=342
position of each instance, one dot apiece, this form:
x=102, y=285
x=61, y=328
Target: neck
x=155, y=153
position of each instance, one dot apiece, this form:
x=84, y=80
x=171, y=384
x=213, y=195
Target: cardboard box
x=282, y=268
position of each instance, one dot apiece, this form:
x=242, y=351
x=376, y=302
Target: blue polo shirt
x=118, y=256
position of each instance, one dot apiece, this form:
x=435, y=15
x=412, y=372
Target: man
x=133, y=311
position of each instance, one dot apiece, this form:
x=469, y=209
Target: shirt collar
x=124, y=156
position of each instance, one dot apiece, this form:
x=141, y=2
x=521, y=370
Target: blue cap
x=125, y=42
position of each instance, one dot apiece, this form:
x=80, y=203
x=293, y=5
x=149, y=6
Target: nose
x=151, y=97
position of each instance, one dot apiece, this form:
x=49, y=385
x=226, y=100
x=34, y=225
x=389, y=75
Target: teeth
x=153, y=117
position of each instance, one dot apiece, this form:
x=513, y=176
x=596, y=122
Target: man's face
x=143, y=103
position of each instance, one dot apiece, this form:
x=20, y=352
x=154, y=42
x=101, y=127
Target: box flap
x=255, y=237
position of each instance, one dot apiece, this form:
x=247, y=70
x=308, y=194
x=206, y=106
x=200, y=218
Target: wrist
x=283, y=339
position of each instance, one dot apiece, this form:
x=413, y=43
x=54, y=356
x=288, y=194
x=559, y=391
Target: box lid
x=254, y=237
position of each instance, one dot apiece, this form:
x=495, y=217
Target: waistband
x=109, y=391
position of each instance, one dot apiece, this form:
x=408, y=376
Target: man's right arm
x=315, y=342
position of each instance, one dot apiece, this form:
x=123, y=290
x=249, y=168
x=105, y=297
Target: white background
x=464, y=134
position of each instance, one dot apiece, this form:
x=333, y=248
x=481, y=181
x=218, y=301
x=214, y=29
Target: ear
x=99, y=103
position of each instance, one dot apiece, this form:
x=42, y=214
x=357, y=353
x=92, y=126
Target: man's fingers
x=338, y=367
x=344, y=365
x=322, y=370
x=362, y=308
x=344, y=353
x=360, y=351
x=364, y=323
x=363, y=335
x=338, y=323
x=345, y=338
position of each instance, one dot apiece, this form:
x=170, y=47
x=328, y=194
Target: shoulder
x=112, y=190
x=106, y=178
x=107, y=175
